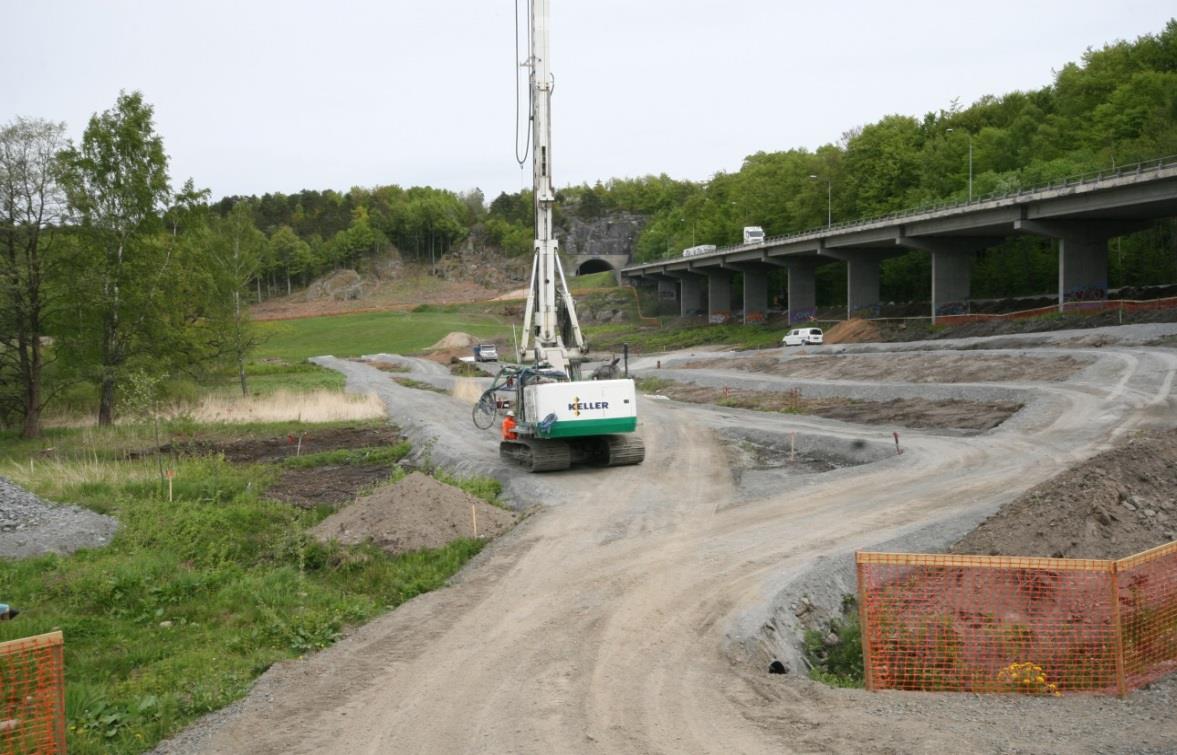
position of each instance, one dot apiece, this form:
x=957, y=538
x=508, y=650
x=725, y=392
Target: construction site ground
x=638, y=608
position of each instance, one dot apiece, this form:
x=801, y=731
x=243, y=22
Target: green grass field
x=372, y=332
x=198, y=595
x=603, y=279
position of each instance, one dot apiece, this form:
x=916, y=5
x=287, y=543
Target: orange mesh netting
x=1148, y=614
x=32, y=695
x=1003, y=624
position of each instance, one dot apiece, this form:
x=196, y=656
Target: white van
x=802, y=336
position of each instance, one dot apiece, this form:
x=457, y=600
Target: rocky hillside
x=615, y=233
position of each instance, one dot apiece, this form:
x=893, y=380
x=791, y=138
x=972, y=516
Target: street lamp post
x=970, y=136
x=829, y=200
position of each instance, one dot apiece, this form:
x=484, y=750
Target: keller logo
x=577, y=406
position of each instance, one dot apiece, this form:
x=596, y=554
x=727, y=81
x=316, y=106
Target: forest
x=114, y=278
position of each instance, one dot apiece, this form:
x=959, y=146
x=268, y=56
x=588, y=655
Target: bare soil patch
x=933, y=367
x=750, y=454
x=1118, y=503
x=854, y=331
x=975, y=416
x=261, y=450
x=418, y=512
x=330, y=485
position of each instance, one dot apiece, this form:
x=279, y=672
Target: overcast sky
x=255, y=96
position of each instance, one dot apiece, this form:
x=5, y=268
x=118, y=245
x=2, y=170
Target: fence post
x=864, y=626
x=1118, y=630
x=59, y=664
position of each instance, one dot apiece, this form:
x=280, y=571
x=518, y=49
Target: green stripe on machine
x=577, y=428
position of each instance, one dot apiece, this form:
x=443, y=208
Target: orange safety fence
x=1094, y=305
x=1010, y=624
x=32, y=695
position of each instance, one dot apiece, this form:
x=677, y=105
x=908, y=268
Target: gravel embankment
x=30, y=526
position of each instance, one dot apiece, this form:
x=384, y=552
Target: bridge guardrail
x=1091, y=177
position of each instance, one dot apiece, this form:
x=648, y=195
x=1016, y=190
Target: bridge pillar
x=951, y=283
x=690, y=296
x=862, y=285
x=755, y=297
x=719, y=296
x=952, y=261
x=667, y=290
x=802, y=289
x=1082, y=271
x=1082, y=255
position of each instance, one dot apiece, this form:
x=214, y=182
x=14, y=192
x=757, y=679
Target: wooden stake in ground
x=474, y=518
x=171, y=473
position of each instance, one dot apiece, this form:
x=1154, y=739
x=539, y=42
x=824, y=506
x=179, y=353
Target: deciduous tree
x=31, y=209
x=117, y=186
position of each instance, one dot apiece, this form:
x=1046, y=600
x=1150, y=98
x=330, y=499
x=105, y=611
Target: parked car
x=486, y=352
x=802, y=336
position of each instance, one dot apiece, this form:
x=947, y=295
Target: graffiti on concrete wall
x=808, y=314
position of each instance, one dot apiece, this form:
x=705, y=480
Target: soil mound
x=455, y=340
x=418, y=512
x=854, y=331
x=1114, y=505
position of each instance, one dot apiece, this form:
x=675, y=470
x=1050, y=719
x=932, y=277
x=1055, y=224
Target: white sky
x=254, y=96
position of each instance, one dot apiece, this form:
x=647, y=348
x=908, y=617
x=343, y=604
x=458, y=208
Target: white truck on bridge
x=753, y=234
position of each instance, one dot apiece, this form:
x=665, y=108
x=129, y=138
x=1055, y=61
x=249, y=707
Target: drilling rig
x=559, y=419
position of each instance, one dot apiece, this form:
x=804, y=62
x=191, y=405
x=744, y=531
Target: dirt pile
x=854, y=331
x=418, y=512
x=1116, y=504
x=455, y=340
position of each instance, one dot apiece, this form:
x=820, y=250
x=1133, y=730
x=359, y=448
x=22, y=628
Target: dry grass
x=53, y=478
x=283, y=406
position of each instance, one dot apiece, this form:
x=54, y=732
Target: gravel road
x=637, y=610
x=30, y=526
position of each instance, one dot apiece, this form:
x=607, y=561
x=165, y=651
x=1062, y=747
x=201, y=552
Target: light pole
x=829, y=200
x=970, y=136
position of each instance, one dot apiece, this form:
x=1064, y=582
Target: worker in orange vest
x=509, y=427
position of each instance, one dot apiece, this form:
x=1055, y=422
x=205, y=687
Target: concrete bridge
x=1083, y=213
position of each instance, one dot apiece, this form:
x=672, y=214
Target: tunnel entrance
x=593, y=266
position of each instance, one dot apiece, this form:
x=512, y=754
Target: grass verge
x=682, y=335
x=834, y=651
x=197, y=596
